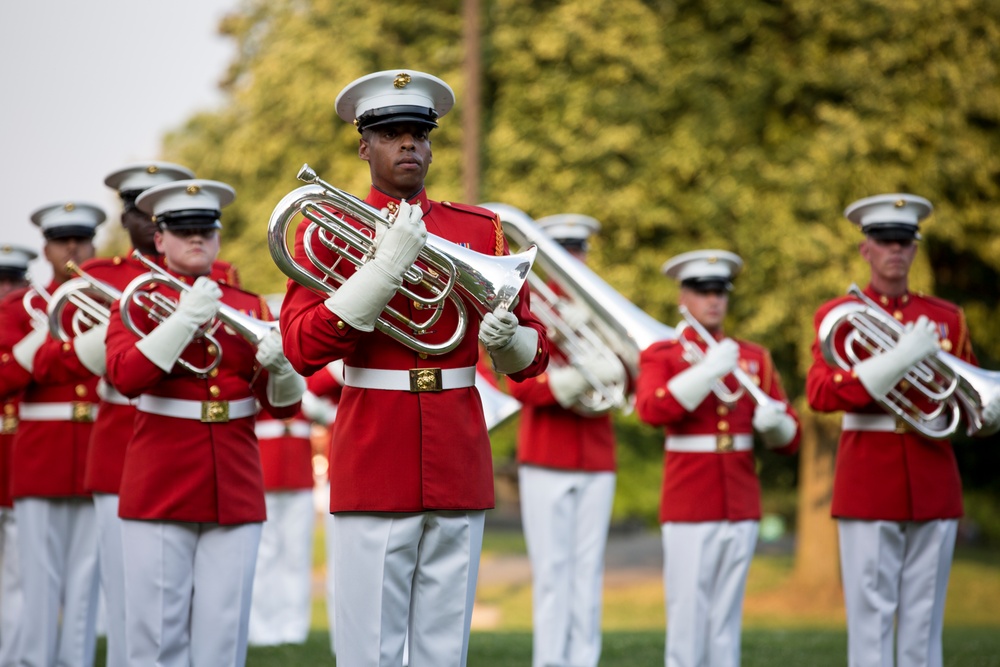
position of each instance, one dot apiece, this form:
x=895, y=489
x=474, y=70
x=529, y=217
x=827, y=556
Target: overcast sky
x=89, y=86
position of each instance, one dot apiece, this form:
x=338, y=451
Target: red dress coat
x=883, y=475
x=7, y=432
x=48, y=456
x=182, y=469
x=551, y=436
x=285, y=452
x=710, y=486
x=396, y=451
x=113, y=428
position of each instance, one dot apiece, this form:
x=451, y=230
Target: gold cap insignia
x=152, y=169
x=69, y=207
x=713, y=260
x=401, y=80
x=900, y=203
x=192, y=189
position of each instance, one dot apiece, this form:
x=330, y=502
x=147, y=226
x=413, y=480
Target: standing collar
x=381, y=200
x=890, y=303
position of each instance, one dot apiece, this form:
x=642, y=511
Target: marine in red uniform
x=710, y=505
x=55, y=514
x=897, y=495
x=13, y=276
x=411, y=467
x=566, y=481
x=191, y=494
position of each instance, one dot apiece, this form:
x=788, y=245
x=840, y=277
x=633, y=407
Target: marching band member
x=54, y=512
x=13, y=276
x=282, y=586
x=411, y=470
x=897, y=495
x=115, y=413
x=566, y=478
x=191, y=494
x=710, y=505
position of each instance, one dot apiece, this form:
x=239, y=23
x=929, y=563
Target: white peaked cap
x=394, y=96
x=68, y=220
x=569, y=226
x=145, y=175
x=704, y=266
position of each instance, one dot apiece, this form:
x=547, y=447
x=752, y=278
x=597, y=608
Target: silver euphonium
x=454, y=275
x=615, y=324
x=159, y=307
x=92, y=299
x=954, y=387
x=693, y=354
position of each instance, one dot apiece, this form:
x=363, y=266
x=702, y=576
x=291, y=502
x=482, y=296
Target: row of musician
x=98, y=318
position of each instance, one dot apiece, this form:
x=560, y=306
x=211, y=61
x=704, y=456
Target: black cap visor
x=69, y=232
x=400, y=114
x=199, y=219
x=707, y=285
x=892, y=233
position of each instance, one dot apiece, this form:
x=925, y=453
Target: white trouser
x=331, y=588
x=109, y=550
x=399, y=572
x=566, y=516
x=705, y=567
x=187, y=592
x=895, y=573
x=58, y=548
x=281, y=606
x=11, y=593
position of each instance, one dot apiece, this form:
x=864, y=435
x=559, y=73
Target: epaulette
x=938, y=302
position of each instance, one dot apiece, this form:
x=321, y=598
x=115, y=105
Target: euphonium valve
x=447, y=273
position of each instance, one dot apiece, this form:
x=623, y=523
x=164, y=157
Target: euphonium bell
x=453, y=274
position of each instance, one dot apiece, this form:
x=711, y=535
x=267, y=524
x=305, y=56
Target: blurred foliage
x=741, y=124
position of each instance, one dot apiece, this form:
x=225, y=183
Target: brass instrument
x=955, y=387
x=498, y=407
x=693, y=354
x=158, y=307
x=38, y=316
x=454, y=275
x=91, y=297
x=615, y=323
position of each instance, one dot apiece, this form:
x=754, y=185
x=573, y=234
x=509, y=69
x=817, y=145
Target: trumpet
x=954, y=387
x=693, y=354
x=91, y=297
x=616, y=324
x=158, y=307
x=454, y=275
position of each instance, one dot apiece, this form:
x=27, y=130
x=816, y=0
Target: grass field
x=782, y=627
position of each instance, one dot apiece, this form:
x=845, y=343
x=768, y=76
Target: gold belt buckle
x=83, y=412
x=724, y=443
x=425, y=379
x=214, y=412
x=9, y=424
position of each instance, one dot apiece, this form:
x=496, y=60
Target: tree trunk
x=817, y=561
x=471, y=107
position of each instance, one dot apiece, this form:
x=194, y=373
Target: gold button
x=756, y=380
x=9, y=409
x=898, y=315
x=214, y=391
x=417, y=305
x=906, y=298
x=884, y=300
x=837, y=377
x=946, y=345
x=116, y=261
x=422, y=355
x=341, y=325
x=722, y=410
x=904, y=385
x=212, y=349
x=723, y=425
x=80, y=390
x=5, y=357
x=660, y=392
x=66, y=347
x=214, y=373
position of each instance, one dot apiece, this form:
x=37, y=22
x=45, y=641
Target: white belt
x=709, y=443
x=72, y=411
x=275, y=428
x=210, y=412
x=414, y=380
x=884, y=423
x=111, y=395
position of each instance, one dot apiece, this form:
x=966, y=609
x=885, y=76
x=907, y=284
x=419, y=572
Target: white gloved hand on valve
x=164, y=344
x=692, y=385
x=511, y=346
x=270, y=354
x=361, y=298
x=91, y=350
x=284, y=385
x=776, y=427
x=880, y=373
x=566, y=384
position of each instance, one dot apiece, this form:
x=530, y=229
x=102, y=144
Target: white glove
x=607, y=369
x=363, y=296
x=775, y=426
x=270, y=354
x=496, y=331
x=24, y=350
x=320, y=410
x=512, y=347
x=567, y=384
x=880, y=373
x=991, y=416
x=164, y=344
x=91, y=350
x=285, y=387
x=691, y=386
x=573, y=315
